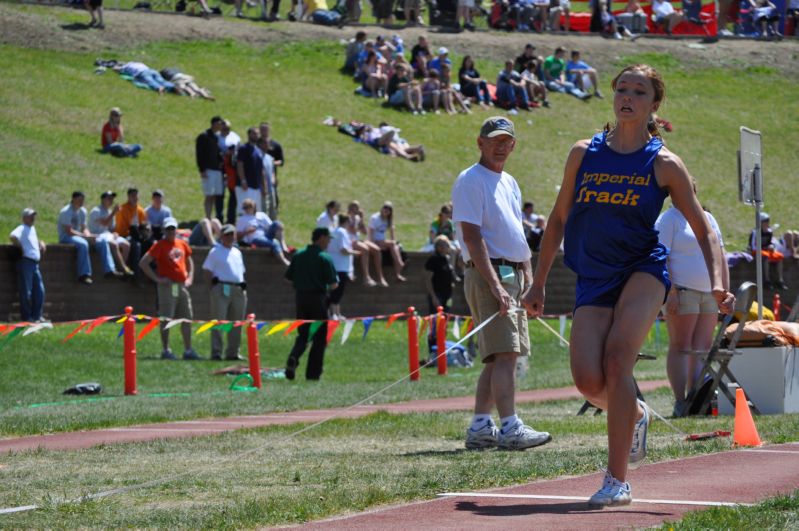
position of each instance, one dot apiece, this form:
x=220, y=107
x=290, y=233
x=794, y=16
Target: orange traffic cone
x=745, y=432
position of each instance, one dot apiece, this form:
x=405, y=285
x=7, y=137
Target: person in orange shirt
x=131, y=224
x=174, y=275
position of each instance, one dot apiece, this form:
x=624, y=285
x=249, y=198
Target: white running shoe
x=638, y=450
x=486, y=437
x=521, y=437
x=613, y=493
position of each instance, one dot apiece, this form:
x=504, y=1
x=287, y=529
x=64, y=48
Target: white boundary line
x=583, y=498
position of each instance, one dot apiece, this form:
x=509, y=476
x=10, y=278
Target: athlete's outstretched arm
x=672, y=174
x=533, y=300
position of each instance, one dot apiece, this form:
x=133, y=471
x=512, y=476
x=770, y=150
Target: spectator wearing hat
x=768, y=251
x=156, y=213
x=313, y=274
x=102, y=224
x=440, y=60
x=29, y=278
x=209, y=164
x=113, y=137
x=174, y=275
x=224, y=274
x=72, y=230
x=131, y=224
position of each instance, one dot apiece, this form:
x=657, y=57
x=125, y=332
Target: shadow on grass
x=535, y=508
x=76, y=26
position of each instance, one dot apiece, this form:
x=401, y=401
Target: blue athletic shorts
x=605, y=292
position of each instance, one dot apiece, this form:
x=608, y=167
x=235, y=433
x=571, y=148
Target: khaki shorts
x=503, y=334
x=174, y=301
x=693, y=301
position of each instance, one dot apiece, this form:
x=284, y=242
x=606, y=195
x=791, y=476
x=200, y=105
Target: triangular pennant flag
x=260, y=325
x=175, y=322
x=14, y=333
x=456, y=329
x=393, y=317
x=207, y=326
x=331, y=329
x=74, y=332
x=425, y=322
x=3, y=327
x=121, y=319
x=97, y=322
x=278, y=327
x=224, y=327
x=149, y=328
x=314, y=328
x=366, y=324
x=347, y=329
x=38, y=327
x=466, y=326
x=15, y=326
x=293, y=326
x=121, y=331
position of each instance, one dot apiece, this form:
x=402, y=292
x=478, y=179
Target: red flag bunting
x=331, y=329
x=149, y=328
x=97, y=322
x=293, y=326
x=393, y=317
x=74, y=332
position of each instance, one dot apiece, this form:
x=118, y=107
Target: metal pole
x=758, y=239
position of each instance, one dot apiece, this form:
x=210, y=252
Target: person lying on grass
x=384, y=138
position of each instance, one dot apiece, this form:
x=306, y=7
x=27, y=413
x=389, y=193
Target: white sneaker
x=638, y=450
x=521, y=437
x=612, y=493
x=485, y=437
x=513, y=112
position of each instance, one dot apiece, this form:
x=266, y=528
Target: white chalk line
x=584, y=499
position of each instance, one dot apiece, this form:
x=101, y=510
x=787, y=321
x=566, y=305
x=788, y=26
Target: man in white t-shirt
x=665, y=14
x=341, y=251
x=29, y=278
x=224, y=274
x=487, y=207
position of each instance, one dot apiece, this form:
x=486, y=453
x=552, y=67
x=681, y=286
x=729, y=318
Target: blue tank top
x=611, y=226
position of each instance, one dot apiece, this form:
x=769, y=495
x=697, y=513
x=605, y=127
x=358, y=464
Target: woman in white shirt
x=381, y=233
x=355, y=228
x=256, y=229
x=691, y=311
x=329, y=218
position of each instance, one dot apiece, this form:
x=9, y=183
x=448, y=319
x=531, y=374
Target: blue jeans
x=325, y=17
x=270, y=239
x=512, y=97
x=31, y=289
x=154, y=80
x=476, y=90
x=119, y=149
x=564, y=87
x=84, y=263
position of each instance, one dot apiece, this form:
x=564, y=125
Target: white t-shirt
x=340, y=242
x=325, y=221
x=95, y=227
x=493, y=202
x=69, y=216
x=379, y=227
x=662, y=9
x=225, y=264
x=225, y=142
x=687, y=265
x=260, y=221
x=26, y=234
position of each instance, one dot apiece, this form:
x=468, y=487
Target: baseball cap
x=170, y=223
x=764, y=216
x=158, y=192
x=442, y=51
x=107, y=193
x=116, y=110
x=28, y=212
x=227, y=228
x=497, y=125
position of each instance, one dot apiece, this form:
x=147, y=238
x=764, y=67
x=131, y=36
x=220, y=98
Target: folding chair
x=588, y=405
x=716, y=360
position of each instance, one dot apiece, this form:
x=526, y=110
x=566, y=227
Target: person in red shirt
x=174, y=275
x=113, y=137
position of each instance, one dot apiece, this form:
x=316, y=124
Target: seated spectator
x=556, y=9
x=443, y=226
x=633, y=19
x=131, y=223
x=360, y=73
x=528, y=54
x=29, y=277
x=329, y=218
x=449, y=95
x=403, y=91
x=318, y=13
x=381, y=233
x=769, y=252
x=664, y=14
x=555, y=75
x=142, y=74
x=156, y=213
x=511, y=90
x=102, y=224
x=472, y=85
x=431, y=92
x=534, y=226
x=206, y=233
x=256, y=229
x=583, y=76
x=420, y=56
x=72, y=230
x=767, y=18
x=441, y=277
x=536, y=89
x=368, y=250
x=185, y=84
x=354, y=47
x=792, y=16
x=375, y=79
x=788, y=245
x=438, y=61
x=113, y=137
x=384, y=47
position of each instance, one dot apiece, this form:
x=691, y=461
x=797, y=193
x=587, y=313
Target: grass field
x=52, y=107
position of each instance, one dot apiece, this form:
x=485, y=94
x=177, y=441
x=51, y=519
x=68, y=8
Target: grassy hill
x=52, y=107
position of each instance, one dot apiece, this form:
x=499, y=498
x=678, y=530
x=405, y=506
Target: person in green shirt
x=312, y=272
x=555, y=75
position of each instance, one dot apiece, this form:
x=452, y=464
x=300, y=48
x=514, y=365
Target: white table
x=770, y=378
